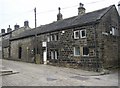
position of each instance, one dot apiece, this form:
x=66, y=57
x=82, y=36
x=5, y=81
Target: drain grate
x=51, y=79
x=79, y=78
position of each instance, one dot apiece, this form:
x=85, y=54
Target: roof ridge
x=107, y=9
x=93, y=16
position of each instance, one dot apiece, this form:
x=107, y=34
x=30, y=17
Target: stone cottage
x=88, y=40
x=5, y=37
x=5, y=42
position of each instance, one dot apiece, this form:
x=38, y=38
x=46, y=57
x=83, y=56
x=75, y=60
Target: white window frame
x=48, y=38
x=51, y=37
x=114, y=31
x=81, y=33
x=55, y=37
x=56, y=55
x=75, y=36
x=44, y=44
x=75, y=51
x=52, y=54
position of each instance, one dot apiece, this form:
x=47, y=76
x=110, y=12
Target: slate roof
x=67, y=23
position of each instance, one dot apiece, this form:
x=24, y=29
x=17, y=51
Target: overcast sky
x=17, y=11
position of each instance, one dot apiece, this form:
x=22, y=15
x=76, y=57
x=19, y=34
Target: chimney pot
x=59, y=16
x=26, y=24
x=9, y=29
x=81, y=9
x=16, y=27
x=2, y=30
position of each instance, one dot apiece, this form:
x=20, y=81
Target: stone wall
x=65, y=47
x=27, y=49
x=108, y=43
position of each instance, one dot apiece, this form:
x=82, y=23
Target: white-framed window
x=54, y=54
x=83, y=33
x=76, y=51
x=44, y=44
x=48, y=38
x=85, y=51
x=76, y=34
x=56, y=37
x=114, y=31
x=52, y=37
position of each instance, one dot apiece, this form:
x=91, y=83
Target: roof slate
x=66, y=23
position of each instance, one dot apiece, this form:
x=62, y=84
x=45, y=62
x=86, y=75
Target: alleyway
x=46, y=75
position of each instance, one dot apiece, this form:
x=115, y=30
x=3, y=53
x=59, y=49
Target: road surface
x=45, y=75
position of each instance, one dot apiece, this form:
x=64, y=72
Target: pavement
x=29, y=74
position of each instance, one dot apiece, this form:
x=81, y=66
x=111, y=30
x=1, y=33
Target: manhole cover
x=51, y=79
x=79, y=78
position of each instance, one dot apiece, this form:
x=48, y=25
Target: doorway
x=45, y=56
x=20, y=52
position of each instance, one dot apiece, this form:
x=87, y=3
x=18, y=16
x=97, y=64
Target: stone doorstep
x=7, y=72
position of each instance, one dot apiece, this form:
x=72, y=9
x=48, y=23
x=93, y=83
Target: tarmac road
x=46, y=75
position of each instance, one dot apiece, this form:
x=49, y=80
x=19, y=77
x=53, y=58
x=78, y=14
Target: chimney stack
x=26, y=24
x=59, y=16
x=81, y=9
x=16, y=27
x=9, y=29
x=2, y=30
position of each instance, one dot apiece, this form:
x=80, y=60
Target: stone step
x=7, y=72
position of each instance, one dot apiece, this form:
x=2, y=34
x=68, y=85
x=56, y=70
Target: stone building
x=5, y=37
x=88, y=40
x=5, y=42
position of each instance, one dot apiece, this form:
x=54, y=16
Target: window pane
x=52, y=55
x=56, y=55
x=52, y=38
x=56, y=37
x=85, y=51
x=76, y=51
x=83, y=33
x=48, y=39
x=115, y=31
x=76, y=34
